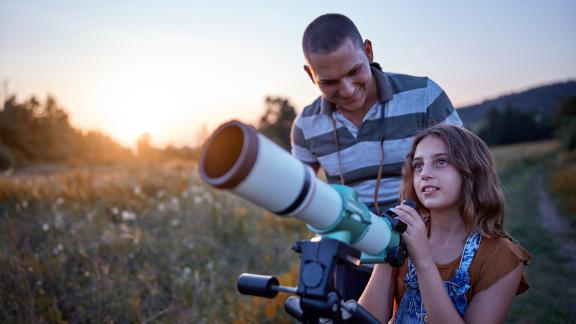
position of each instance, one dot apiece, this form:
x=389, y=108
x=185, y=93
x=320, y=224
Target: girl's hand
x=415, y=235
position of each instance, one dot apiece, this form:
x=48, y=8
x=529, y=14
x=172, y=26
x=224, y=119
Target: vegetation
x=513, y=126
x=134, y=244
x=566, y=122
x=34, y=132
x=562, y=182
x=142, y=242
x=551, y=297
x=276, y=122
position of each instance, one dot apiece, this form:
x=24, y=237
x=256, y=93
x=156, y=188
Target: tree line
x=35, y=132
x=39, y=132
x=511, y=125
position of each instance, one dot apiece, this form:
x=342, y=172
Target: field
x=151, y=243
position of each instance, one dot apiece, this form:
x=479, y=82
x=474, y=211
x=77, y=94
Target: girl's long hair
x=482, y=206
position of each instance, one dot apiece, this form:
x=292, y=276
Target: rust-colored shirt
x=495, y=258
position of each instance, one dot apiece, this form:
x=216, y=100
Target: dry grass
x=133, y=244
x=506, y=156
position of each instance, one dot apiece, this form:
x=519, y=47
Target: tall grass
x=552, y=294
x=133, y=244
x=137, y=243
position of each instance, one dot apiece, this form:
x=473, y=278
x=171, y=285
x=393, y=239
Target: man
x=361, y=127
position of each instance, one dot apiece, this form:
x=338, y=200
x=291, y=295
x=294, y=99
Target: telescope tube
x=237, y=158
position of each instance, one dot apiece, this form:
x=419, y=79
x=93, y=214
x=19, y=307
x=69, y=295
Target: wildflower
x=58, y=220
x=187, y=271
x=175, y=222
x=128, y=216
x=45, y=227
x=115, y=210
x=175, y=202
x=60, y=201
x=137, y=190
x=24, y=204
x=197, y=200
x=208, y=197
x=161, y=207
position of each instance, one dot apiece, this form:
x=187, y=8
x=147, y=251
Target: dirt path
x=554, y=222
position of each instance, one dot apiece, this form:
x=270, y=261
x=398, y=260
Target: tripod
x=316, y=301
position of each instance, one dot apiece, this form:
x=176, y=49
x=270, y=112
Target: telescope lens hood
x=229, y=155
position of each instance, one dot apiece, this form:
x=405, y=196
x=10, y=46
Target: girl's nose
x=426, y=171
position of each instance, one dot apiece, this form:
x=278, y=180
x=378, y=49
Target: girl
x=462, y=265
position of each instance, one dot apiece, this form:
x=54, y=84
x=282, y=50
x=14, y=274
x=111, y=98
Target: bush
x=6, y=158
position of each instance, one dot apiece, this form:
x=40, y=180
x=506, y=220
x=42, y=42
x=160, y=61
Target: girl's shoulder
x=496, y=249
x=495, y=258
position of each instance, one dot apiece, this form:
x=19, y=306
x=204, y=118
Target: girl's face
x=436, y=181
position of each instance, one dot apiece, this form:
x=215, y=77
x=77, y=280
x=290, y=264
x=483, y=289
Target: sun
x=142, y=96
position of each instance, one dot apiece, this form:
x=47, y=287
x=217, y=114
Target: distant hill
x=540, y=100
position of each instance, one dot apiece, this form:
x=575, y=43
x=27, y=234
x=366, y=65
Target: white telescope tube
x=237, y=158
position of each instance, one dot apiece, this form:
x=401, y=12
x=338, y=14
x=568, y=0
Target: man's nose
x=346, y=88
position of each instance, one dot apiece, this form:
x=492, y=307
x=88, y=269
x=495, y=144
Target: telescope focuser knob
x=398, y=225
x=397, y=255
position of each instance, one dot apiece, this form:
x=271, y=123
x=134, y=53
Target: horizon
x=114, y=66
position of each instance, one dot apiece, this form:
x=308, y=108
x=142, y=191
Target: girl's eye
x=441, y=162
x=417, y=166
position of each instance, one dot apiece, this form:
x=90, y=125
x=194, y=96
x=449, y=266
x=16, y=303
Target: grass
x=552, y=294
x=143, y=243
x=133, y=244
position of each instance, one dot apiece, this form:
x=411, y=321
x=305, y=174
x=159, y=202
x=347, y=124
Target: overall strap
x=470, y=248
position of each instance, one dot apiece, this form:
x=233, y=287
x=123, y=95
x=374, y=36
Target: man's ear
x=368, y=50
x=309, y=71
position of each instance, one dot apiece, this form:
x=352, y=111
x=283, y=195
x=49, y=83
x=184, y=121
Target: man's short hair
x=328, y=32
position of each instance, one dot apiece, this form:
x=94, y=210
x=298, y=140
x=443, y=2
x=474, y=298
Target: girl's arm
x=378, y=295
x=492, y=304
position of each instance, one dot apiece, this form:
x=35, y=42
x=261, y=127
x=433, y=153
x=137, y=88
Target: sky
x=168, y=67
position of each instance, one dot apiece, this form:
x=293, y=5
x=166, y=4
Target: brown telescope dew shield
x=229, y=155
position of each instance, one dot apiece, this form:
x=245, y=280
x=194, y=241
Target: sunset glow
x=133, y=67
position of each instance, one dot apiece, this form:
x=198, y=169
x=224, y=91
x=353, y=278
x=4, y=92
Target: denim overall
x=411, y=308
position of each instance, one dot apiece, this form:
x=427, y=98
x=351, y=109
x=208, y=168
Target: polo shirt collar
x=382, y=84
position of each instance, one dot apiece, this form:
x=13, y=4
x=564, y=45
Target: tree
x=565, y=120
x=277, y=120
x=513, y=126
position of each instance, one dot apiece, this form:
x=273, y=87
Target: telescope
x=238, y=158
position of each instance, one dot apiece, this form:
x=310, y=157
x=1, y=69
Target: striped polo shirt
x=406, y=105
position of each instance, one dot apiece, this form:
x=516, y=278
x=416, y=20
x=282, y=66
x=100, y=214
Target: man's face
x=344, y=77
